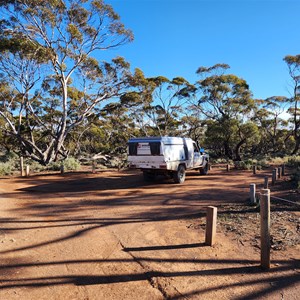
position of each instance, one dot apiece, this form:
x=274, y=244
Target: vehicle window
x=155, y=148
x=195, y=148
x=132, y=148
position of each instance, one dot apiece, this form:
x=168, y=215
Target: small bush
x=6, y=168
x=219, y=161
x=70, y=164
x=277, y=160
x=9, y=157
x=35, y=166
x=243, y=165
x=249, y=163
x=296, y=178
x=54, y=166
x=263, y=163
x=293, y=161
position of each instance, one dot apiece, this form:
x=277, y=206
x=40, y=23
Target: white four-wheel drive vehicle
x=166, y=155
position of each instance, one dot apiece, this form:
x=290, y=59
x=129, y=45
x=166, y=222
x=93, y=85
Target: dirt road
x=111, y=236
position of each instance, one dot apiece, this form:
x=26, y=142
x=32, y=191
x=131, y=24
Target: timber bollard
x=266, y=182
x=279, y=172
x=93, y=167
x=274, y=176
x=265, y=229
x=252, y=193
x=62, y=169
x=227, y=167
x=211, y=225
x=27, y=172
x=21, y=166
x=283, y=170
x=254, y=168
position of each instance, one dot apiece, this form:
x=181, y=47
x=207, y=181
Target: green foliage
x=293, y=63
x=49, y=58
x=9, y=157
x=6, y=168
x=243, y=165
x=9, y=162
x=249, y=163
x=278, y=160
x=61, y=110
x=293, y=161
x=70, y=164
x=296, y=178
x=35, y=167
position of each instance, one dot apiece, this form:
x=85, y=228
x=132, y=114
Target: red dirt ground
x=109, y=235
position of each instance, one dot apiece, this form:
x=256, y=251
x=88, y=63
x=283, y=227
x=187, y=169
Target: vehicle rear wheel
x=204, y=171
x=179, y=176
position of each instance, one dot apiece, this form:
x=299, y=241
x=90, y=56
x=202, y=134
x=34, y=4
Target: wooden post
x=22, y=166
x=274, y=176
x=27, y=171
x=254, y=168
x=93, y=167
x=211, y=225
x=227, y=167
x=62, y=169
x=209, y=167
x=283, y=170
x=266, y=182
x=265, y=229
x=252, y=193
x=279, y=172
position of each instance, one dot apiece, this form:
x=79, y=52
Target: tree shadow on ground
x=233, y=268
x=173, y=204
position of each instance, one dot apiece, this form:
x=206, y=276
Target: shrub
x=35, y=166
x=296, y=178
x=278, y=160
x=54, y=166
x=249, y=163
x=70, y=164
x=293, y=161
x=6, y=168
x=243, y=165
x=9, y=157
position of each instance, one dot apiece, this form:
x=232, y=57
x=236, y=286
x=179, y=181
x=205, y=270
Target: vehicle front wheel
x=204, y=171
x=179, y=176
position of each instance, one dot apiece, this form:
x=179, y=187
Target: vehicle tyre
x=179, y=176
x=204, y=171
x=148, y=176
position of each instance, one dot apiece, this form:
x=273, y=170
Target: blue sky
x=175, y=37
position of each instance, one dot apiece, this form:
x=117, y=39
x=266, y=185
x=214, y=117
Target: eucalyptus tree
x=47, y=50
x=293, y=63
x=193, y=124
x=274, y=135
x=227, y=101
x=169, y=102
x=157, y=103
x=137, y=100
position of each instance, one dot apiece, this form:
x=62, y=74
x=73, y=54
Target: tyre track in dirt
x=111, y=236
